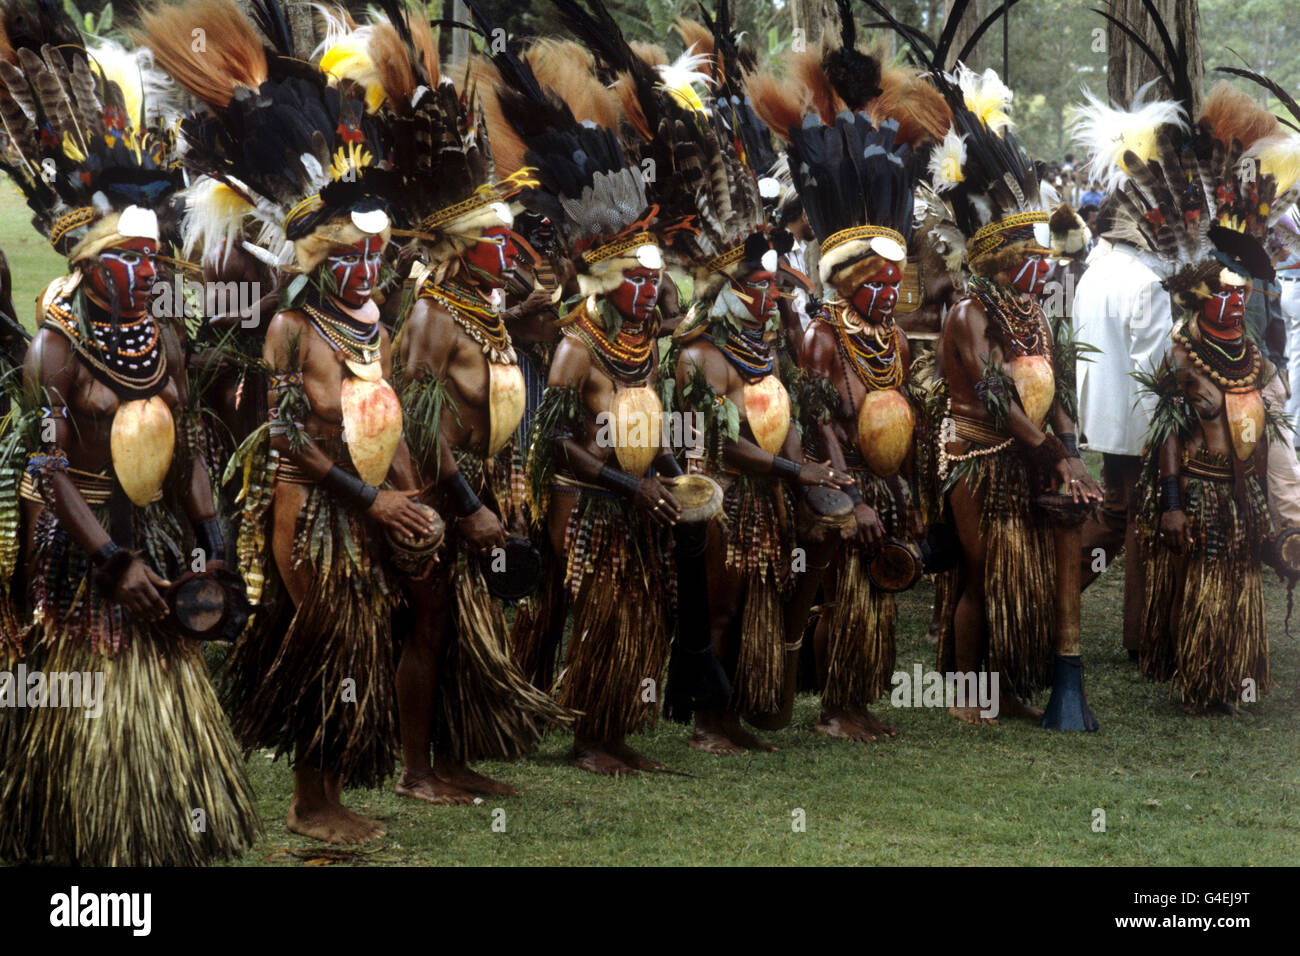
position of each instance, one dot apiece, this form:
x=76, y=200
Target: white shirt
x=1119, y=308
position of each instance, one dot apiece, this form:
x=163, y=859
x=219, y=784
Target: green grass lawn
x=1175, y=790
x=32, y=262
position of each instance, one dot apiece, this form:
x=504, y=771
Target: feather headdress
x=855, y=178
x=445, y=186
x=302, y=155
x=90, y=168
x=585, y=183
x=978, y=167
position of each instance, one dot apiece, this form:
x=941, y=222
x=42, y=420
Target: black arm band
x=1071, y=443
x=462, y=495
x=354, y=492
x=1171, y=498
x=667, y=465
x=785, y=468
x=208, y=537
x=619, y=482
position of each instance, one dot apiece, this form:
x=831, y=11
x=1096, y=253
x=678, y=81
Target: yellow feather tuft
x=1279, y=157
x=350, y=59
x=946, y=162
x=987, y=97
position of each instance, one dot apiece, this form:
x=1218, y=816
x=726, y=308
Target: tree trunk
x=816, y=18
x=1128, y=66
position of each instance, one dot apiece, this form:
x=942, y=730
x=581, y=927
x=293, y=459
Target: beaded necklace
x=1018, y=325
x=128, y=358
x=879, y=365
x=359, y=341
x=1227, y=371
x=747, y=352
x=629, y=358
x=476, y=317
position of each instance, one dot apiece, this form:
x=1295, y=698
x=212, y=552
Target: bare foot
x=332, y=823
x=743, y=738
x=868, y=720
x=845, y=728
x=1013, y=706
x=932, y=636
x=595, y=759
x=633, y=759
x=714, y=743
x=459, y=775
x=430, y=789
x=971, y=715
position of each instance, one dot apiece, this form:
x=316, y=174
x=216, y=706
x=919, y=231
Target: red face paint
x=495, y=255
x=356, y=271
x=638, y=293
x=876, y=297
x=1222, y=314
x=1031, y=275
x=760, y=287
x=124, y=274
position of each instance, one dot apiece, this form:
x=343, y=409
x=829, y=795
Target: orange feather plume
x=230, y=57
x=1233, y=115
x=807, y=70
x=778, y=103
x=920, y=110
x=568, y=70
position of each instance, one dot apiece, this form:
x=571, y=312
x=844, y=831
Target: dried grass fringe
x=285, y=687
x=758, y=548
x=619, y=580
x=1204, y=625
x=487, y=710
x=1019, y=578
x=121, y=789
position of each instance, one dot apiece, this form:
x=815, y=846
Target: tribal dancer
x=1203, y=514
x=858, y=359
x=728, y=377
x=320, y=688
x=596, y=465
x=155, y=778
x=1006, y=382
x=459, y=693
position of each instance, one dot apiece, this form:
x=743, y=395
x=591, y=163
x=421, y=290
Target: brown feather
x=632, y=111
x=695, y=35
x=422, y=36
x=508, y=148
x=235, y=59
x=652, y=54
x=777, y=102
x=392, y=64
x=919, y=109
x=569, y=71
x=1233, y=115
x=807, y=69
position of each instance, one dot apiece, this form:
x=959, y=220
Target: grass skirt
x=618, y=577
x=860, y=628
x=1019, y=577
x=1203, y=616
x=757, y=543
x=324, y=683
x=486, y=707
x=156, y=779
